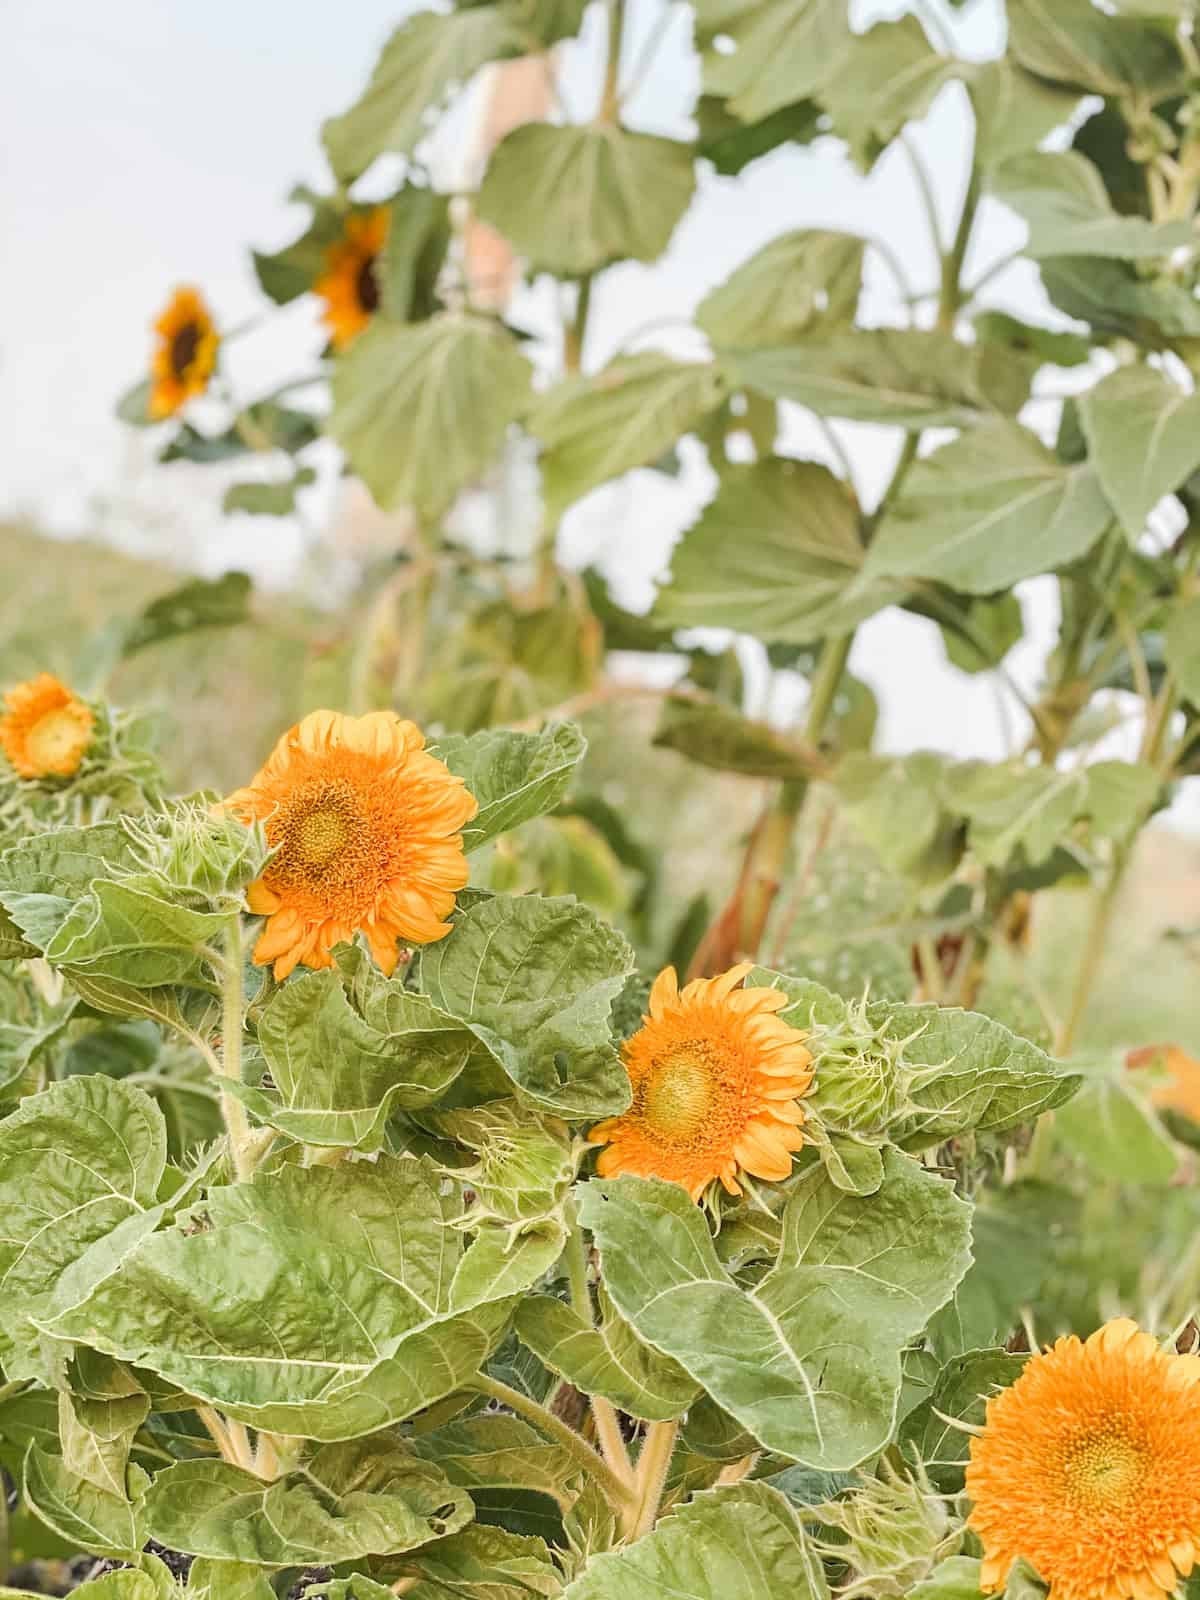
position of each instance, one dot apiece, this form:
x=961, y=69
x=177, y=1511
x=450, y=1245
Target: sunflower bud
x=859, y=1073
x=199, y=854
x=896, y=1530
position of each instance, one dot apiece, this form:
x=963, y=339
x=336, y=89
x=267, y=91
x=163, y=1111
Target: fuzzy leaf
x=799, y=283
x=961, y=1392
x=783, y=50
x=534, y=979
x=513, y=776
x=788, y=1359
x=86, y=1517
x=352, y=1500
x=990, y=508
x=741, y=1540
x=480, y=1563
x=1062, y=197
x=1143, y=437
x=98, y=1416
x=596, y=427
x=573, y=199
x=1014, y=110
x=497, y=1451
x=913, y=378
x=421, y=409
x=890, y=77
x=1114, y=1132
x=1069, y=41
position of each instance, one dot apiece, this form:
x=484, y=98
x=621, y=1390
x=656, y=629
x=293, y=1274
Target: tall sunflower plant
x=373, y=1229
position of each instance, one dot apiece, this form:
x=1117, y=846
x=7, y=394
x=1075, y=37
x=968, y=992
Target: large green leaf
x=607, y=1359
x=737, y=1541
x=325, y=1301
x=339, y=1074
x=80, y=1166
x=1062, y=197
x=1070, y=41
x=87, y=1518
x=956, y=1578
x=782, y=50
x=809, y=1360
x=911, y=377
x=425, y=61
x=128, y=932
x=98, y=1416
x=801, y=282
x=988, y=509
x=936, y=1432
x=200, y=603
x=775, y=553
x=422, y=409
x=227, y=1580
x=594, y=428
x=1143, y=437
x=1114, y=1132
x=352, y=1500
x=889, y=77
x=715, y=735
x=534, y=979
x=576, y=198
x=1183, y=647
x=1014, y=110
x=498, y=1451
x=513, y=776
x=480, y=1563
x=1116, y=298
x=1011, y=808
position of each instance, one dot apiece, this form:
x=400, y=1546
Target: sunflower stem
x=620, y=1494
x=604, y=1413
x=653, y=1465
x=241, y=1140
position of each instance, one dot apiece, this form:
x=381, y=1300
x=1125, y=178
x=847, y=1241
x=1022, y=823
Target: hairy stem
x=653, y=1465
x=237, y=1124
x=620, y=1494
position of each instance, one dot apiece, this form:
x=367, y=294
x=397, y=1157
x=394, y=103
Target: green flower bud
x=198, y=853
x=896, y=1531
x=858, y=1068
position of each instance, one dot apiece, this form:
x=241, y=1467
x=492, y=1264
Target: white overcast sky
x=148, y=142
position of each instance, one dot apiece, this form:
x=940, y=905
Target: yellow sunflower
x=366, y=826
x=1181, y=1091
x=715, y=1075
x=45, y=729
x=349, y=285
x=186, y=355
x=1087, y=1468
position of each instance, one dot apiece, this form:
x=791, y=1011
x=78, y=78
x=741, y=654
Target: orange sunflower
x=349, y=285
x=1086, y=1468
x=715, y=1075
x=1181, y=1091
x=366, y=827
x=186, y=355
x=46, y=729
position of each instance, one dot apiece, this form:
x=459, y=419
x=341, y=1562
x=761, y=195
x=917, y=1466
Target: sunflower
x=1181, y=1090
x=349, y=285
x=1086, y=1468
x=186, y=354
x=46, y=728
x=366, y=829
x=715, y=1075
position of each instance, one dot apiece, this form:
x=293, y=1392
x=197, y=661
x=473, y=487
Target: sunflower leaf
x=802, y=282
x=784, y=51
x=480, y=1563
x=1143, y=436
x=86, y=1517
x=325, y=1302
x=960, y=1393
x=741, y=1540
x=790, y=1363
x=513, y=776
x=498, y=1451
x=534, y=979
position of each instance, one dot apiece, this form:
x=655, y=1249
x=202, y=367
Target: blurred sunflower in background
x=46, y=729
x=366, y=827
x=1086, y=1469
x=350, y=284
x=186, y=354
x=715, y=1076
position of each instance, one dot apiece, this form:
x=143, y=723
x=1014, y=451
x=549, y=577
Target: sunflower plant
x=829, y=1237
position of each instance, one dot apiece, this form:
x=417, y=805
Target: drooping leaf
x=125, y=932
x=787, y=1358
x=782, y=51
x=352, y=1500
x=480, y=1563
x=513, y=776
x=1062, y=197
x=607, y=1359
x=596, y=427
x=1143, y=437
x=324, y=1301
x=80, y=1166
x=988, y=509
x=427, y=58
x=889, y=77
x=1011, y=808
x=776, y=553
x=1070, y=41
x=801, y=282
x=744, y=1539
x=913, y=378
x=421, y=409
x=534, y=979
x=1120, y=796
x=573, y=199
x=98, y=1416
x=413, y=254
x=338, y=1075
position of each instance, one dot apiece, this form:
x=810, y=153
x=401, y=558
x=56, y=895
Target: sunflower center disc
x=321, y=835
x=53, y=738
x=183, y=348
x=679, y=1095
x=1105, y=1468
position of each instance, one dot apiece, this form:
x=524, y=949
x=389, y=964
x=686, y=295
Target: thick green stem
x=620, y=1494
x=653, y=1465
x=610, y=99
x=1093, y=951
x=237, y=1124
